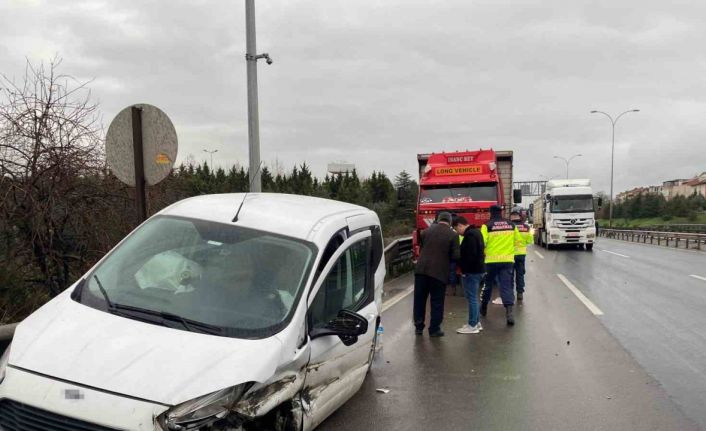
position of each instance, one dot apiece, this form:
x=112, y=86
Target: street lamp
x=612, y=156
x=211, y=153
x=567, y=161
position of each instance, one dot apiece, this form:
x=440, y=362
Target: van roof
x=290, y=215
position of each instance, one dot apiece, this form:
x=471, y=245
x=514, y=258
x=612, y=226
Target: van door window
x=345, y=287
x=330, y=249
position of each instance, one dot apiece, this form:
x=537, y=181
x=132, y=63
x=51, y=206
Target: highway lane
x=559, y=368
x=653, y=301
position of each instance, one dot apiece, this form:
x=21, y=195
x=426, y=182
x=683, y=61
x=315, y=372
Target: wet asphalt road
x=640, y=365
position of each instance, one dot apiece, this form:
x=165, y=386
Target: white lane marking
x=539, y=254
x=612, y=252
x=698, y=276
x=397, y=298
x=587, y=302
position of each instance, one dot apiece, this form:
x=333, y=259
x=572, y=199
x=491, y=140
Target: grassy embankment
x=654, y=221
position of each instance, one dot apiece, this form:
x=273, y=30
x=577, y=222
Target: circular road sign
x=159, y=145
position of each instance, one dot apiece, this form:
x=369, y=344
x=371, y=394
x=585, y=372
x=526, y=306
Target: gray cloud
x=374, y=82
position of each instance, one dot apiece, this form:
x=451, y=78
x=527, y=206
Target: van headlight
x=3, y=363
x=202, y=411
x=590, y=222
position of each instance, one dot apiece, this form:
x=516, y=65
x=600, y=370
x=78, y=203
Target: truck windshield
x=459, y=193
x=572, y=204
x=244, y=281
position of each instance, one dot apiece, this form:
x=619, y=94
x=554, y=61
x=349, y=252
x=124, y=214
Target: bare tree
x=51, y=158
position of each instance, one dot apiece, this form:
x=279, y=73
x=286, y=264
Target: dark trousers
x=520, y=273
x=424, y=287
x=499, y=274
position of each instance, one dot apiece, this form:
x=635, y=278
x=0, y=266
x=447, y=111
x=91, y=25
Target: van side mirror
x=517, y=196
x=600, y=202
x=348, y=325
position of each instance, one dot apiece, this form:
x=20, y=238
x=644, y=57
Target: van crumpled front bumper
x=53, y=399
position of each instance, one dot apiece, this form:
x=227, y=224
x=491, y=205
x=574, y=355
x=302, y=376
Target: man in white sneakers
x=472, y=263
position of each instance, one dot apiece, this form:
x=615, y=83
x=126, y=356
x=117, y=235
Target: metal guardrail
x=680, y=228
x=397, y=253
x=669, y=239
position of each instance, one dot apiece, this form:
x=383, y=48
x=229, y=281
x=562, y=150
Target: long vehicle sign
x=458, y=170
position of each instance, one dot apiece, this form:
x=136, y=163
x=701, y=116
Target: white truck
x=565, y=214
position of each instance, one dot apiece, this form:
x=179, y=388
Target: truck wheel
x=589, y=247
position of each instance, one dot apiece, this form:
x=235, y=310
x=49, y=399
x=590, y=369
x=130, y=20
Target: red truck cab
x=465, y=183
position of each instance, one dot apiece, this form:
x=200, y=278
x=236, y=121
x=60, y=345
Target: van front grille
x=16, y=416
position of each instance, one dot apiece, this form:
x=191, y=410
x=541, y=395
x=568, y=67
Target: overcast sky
x=374, y=82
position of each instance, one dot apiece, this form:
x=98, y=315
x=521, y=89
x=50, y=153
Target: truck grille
x=16, y=416
x=578, y=223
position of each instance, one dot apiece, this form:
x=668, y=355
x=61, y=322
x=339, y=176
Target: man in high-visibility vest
x=500, y=236
x=521, y=251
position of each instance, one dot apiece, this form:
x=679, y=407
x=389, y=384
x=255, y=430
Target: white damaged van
x=209, y=316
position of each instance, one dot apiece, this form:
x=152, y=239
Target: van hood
x=73, y=342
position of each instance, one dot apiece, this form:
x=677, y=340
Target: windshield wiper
x=189, y=325
x=111, y=306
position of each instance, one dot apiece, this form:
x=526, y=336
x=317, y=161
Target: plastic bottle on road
x=378, y=340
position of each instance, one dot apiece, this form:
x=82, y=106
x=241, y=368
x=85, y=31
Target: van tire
x=589, y=247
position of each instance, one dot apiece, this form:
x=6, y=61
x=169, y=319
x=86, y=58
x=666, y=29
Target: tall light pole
x=567, y=161
x=251, y=58
x=612, y=157
x=211, y=153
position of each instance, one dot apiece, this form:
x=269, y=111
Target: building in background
x=629, y=194
x=340, y=168
x=685, y=187
x=670, y=189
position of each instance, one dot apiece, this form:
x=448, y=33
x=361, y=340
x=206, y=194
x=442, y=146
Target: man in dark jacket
x=472, y=265
x=439, y=246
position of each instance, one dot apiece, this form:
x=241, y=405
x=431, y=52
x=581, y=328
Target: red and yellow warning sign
x=458, y=170
x=162, y=159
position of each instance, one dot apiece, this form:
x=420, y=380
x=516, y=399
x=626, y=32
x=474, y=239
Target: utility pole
x=211, y=153
x=567, y=161
x=612, y=157
x=251, y=58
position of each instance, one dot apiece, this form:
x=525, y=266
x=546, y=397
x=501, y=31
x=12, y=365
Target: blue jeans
x=470, y=287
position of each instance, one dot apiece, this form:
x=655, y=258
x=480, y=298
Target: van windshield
x=459, y=193
x=243, y=281
x=572, y=204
